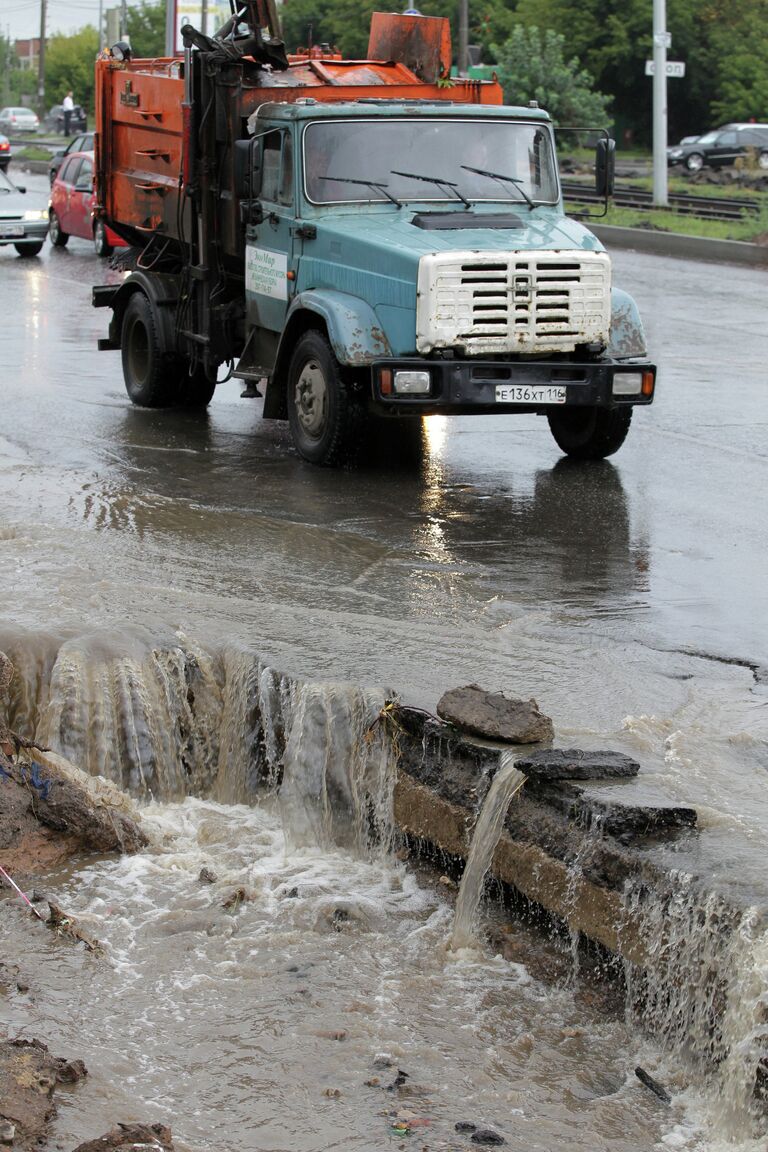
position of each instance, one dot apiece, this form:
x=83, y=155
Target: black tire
x=29, y=249
x=57, y=236
x=694, y=162
x=590, y=433
x=151, y=375
x=195, y=391
x=324, y=417
x=100, y=243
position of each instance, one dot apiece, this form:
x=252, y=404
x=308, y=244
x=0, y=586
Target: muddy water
x=224, y=1023
x=619, y=595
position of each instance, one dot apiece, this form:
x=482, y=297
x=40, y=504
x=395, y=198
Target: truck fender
x=627, y=336
x=353, y=329
x=162, y=292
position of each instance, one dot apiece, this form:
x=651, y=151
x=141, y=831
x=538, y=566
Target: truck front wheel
x=323, y=416
x=151, y=377
x=590, y=433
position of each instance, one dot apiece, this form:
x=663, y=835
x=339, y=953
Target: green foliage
x=145, y=25
x=532, y=66
x=69, y=64
x=738, y=40
x=724, y=44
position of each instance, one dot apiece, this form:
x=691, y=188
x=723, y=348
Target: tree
x=69, y=64
x=532, y=66
x=145, y=25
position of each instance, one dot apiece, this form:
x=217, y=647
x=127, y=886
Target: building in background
x=28, y=52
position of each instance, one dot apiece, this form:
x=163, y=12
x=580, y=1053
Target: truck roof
x=370, y=106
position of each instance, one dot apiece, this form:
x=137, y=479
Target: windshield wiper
x=504, y=180
x=435, y=180
x=377, y=184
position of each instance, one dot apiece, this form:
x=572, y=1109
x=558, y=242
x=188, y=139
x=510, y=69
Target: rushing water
x=270, y=1009
x=485, y=838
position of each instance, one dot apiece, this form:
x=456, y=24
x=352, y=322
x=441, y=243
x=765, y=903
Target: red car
x=71, y=207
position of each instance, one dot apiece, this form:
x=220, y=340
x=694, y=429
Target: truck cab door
x=271, y=254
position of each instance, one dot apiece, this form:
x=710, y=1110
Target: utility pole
x=102, y=40
x=204, y=17
x=123, y=19
x=661, y=41
x=41, y=61
x=462, y=62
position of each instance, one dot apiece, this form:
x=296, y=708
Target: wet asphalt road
x=622, y=589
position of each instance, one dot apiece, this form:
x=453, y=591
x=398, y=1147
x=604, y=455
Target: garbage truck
x=356, y=240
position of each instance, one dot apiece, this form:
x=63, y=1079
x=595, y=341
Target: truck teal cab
x=407, y=258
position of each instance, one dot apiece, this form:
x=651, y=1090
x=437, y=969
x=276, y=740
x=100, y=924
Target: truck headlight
x=411, y=382
x=627, y=383
x=633, y=383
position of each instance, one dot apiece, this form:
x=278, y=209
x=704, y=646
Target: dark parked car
x=82, y=143
x=54, y=121
x=722, y=147
x=21, y=223
x=5, y=153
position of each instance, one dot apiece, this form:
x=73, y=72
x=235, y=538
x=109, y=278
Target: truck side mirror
x=247, y=168
x=605, y=167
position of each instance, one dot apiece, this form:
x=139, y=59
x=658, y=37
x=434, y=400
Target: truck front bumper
x=487, y=386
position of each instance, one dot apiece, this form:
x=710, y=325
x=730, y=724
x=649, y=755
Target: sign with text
x=266, y=273
x=675, y=68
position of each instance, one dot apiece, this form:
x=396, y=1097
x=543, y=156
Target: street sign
x=675, y=68
x=662, y=39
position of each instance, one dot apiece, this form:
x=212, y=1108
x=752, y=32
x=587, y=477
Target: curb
x=683, y=247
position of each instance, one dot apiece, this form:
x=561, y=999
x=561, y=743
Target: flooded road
x=629, y=597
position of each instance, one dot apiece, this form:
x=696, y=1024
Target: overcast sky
x=20, y=19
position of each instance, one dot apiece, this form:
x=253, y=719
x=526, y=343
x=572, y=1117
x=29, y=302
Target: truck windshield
x=380, y=152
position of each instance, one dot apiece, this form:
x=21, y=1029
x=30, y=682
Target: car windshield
x=421, y=159
x=708, y=138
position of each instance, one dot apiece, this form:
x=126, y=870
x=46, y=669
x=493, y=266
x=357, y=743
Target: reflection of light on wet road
x=436, y=432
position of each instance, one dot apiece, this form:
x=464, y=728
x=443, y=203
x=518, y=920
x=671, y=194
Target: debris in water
x=238, y=897
x=382, y=1061
x=494, y=715
x=7, y=1132
x=332, y=1092
x=374, y=1082
x=18, y=890
x=331, y=1034
x=465, y=1126
x=398, y=1081
x=127, y=1137
x=486, y=1136
x=654, y=1085
x=65, y=925
x=207, y=876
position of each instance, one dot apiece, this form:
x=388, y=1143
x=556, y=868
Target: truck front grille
x=518, y=302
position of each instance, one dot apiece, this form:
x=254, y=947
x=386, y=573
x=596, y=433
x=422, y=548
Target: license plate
x=11, y=229
x=529, y=394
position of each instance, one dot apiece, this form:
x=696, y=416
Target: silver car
x=21, y=224
x=18, y=120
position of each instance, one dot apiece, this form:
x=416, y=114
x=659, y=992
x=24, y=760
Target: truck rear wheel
x=151, y=377
x=195, y=391
x=590, y=433
x=324, y=418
